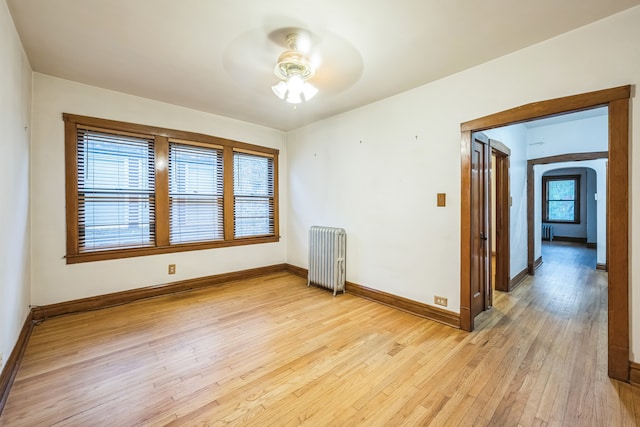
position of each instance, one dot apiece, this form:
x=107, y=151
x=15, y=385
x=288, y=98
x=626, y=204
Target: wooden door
x=502, y=205
x=480, y=231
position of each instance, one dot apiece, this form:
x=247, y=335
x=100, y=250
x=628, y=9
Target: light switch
x=442, y=199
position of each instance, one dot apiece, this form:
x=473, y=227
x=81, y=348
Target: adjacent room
x=334, y=213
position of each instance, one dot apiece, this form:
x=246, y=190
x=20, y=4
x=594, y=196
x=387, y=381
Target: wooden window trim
x=576, y=200
x=161, y=136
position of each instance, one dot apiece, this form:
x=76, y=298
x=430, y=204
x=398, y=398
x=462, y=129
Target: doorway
x=532, y=261
x=490, y=220
x=617, y=101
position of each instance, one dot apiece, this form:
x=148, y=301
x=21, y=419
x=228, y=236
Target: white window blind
x=115, y=191
x=195, y=194
x=253, y=195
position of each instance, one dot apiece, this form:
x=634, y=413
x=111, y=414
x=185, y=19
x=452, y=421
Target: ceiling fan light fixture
x=294, y=98
x=309, y=91
x=294, y=69
x=280, y=89
x=295, y=84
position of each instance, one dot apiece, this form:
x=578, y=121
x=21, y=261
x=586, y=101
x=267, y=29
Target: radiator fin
x=327, y=257
x=547, y=232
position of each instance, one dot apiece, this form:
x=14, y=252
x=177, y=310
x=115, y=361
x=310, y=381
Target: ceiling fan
x=294, y=68
x=291, y=62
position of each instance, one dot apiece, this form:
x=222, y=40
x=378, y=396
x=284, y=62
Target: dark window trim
x=161, y=137
x=545, y=201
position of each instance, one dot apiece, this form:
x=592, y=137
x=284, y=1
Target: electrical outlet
x=440, y=301
x=172, y=269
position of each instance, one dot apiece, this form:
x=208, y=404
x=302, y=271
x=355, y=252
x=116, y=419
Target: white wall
x=15, y=111
x=514, y=137
x=592, y=207
x=52, y=279
x=376, y=170
x=577, y=136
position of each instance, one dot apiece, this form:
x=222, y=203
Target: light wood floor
x=271, y=351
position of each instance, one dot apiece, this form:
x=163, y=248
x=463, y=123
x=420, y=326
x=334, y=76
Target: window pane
x=561, y=210
x=115, y=191
x=254, y=216
x=195, y=194
x=562, y=190
x=253, y=192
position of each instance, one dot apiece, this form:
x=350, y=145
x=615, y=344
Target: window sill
x=136, y=252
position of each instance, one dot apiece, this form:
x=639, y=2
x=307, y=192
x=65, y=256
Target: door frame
x=503, y=208
x=617, y=101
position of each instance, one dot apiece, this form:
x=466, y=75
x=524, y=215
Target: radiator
x=547, y=232
x=327, y=256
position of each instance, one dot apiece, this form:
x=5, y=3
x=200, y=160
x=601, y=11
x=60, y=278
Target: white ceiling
x=568, y=117
x=218, y=55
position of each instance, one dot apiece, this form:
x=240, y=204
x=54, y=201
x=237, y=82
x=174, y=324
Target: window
x=253, y=194
x=137, y=190
x=561, y=198
x=195, y=194
x=115, y=190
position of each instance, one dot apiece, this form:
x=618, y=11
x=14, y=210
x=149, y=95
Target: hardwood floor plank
x=512, y=406
x=627, y=410
x=635, y=392
x=537, y=391
x=271, y=351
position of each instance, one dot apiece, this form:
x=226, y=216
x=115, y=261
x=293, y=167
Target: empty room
x=319, y=213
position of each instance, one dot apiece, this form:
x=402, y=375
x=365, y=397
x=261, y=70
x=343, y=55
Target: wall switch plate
x=440, y=301
x=442, y=199
x=172, y=269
